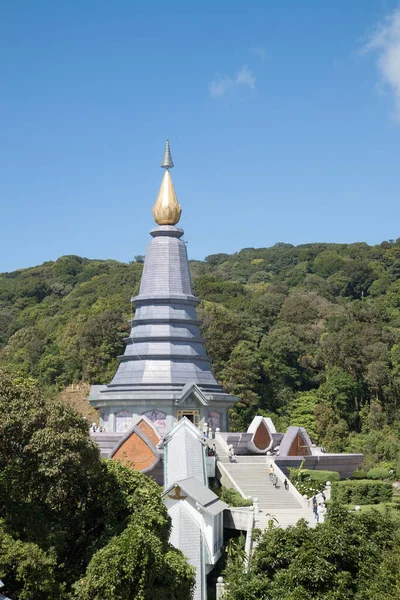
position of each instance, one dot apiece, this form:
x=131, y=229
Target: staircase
x=250, y=474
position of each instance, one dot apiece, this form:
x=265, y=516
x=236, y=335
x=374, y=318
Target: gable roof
x=289, y=438
x=184, y=454
x=136, y=430
x=200, y=493
x=182, y=423
x=192, y=389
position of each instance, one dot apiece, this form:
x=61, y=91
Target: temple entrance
x=192, y=415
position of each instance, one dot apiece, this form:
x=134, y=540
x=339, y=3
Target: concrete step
x=253, y=480
x=244, y=460
x=250, y=473
x=284, y=518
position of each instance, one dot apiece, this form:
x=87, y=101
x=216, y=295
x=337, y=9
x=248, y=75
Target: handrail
x=249, y=537
x=225, y=471
x=220, y=440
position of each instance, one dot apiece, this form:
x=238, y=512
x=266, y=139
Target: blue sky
x=283, y=118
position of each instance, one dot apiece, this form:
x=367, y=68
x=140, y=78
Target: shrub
x=362, y=491
x=378, y=473
x=324, y=476
x=359, y=474
x=233, y=498
x=310, y=483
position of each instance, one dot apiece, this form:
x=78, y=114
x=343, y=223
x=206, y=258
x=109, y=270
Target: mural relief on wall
x=214, y=420
x=159, y=418
x=123, y=421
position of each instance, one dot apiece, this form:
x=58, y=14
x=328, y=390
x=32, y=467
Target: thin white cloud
x=223, y=84
x=220, y=86
x=385, y=41
x=246, y=77
x=260, y=52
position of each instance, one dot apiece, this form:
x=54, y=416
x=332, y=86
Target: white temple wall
x=120, y=418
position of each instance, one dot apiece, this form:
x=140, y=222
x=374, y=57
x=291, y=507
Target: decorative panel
x=123, y=421
x=262, y=438
x=158, y=418
x=299, y=447
x=214, y=420
x=135, y=453
x=149, y=432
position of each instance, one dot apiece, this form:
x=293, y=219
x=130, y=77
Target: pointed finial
x=167, y=162
x=166, y=210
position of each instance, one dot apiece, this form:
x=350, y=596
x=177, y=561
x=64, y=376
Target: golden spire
x=166, y=210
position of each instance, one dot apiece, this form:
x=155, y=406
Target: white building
x=196, y=512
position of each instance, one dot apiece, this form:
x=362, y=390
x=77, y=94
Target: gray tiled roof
x=201, y=494
x=216, y=507
x=198, y=491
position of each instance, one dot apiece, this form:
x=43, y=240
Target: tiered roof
x=164, y=351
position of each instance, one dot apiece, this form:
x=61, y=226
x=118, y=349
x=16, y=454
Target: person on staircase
x=274, y=481
x=271, y=471
x=231, y=454
x=315, y=508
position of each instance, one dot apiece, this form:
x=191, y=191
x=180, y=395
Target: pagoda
x=165, y=373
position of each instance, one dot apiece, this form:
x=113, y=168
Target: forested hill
x=310, y=333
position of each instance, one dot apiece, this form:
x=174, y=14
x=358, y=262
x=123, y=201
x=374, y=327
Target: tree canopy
x=308, y=334
x=73, y=526
x=349, y=557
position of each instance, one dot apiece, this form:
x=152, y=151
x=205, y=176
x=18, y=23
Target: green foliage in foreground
x=361, y=492
x=71, y=525
x=309, y=335
x=349, y=557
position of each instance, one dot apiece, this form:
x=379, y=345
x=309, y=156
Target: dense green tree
x=327, y=263
x=305, y=311
x=222, y=330
x=301, y=412
x=341, y=559
x=242, y=377
x=64, y=512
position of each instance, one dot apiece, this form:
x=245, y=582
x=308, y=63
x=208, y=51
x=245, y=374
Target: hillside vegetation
x=309, y=335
